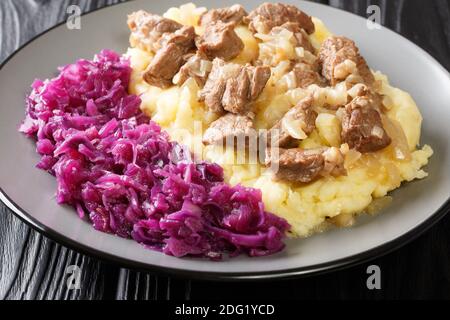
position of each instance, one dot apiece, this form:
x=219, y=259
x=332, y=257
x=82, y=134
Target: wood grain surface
x=33, y=267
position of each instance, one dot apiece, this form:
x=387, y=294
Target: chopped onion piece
x=300, y=52
x=357, y=90
x=377, y=132
x=351, y=157
x=294, y=128
x=342, y=70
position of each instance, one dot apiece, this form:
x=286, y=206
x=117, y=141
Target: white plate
x=29, y=192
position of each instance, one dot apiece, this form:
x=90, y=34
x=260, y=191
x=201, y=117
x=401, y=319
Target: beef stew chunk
x=340, y=57
x=300, y=35
x=270, y=15
x=295, y=125
x=232, y=87
x=305, y=75
x=197, y=66
x=303, y=166
x=234, y=14
x=147, y=29
x=362, y=127
x=220, y=40
x=229, y=126
x=172, y=55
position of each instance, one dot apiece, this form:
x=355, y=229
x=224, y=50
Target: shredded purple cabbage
x=115, y=166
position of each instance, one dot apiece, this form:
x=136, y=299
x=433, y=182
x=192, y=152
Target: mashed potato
x=370, y=176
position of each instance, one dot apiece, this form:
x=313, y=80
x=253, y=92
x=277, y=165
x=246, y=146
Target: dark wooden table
x=32, y=266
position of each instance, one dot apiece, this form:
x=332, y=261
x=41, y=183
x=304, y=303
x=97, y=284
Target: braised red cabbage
x=117, y=168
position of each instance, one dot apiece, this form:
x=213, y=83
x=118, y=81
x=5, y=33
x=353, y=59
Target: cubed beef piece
x=362, y=90
x=164, y=66
x=301, y=37
x=299, y=120
x=236, y=95
x=147, y=29
x=270, y=15
x=232, y=87
x=197, y=66
x=229, y=126
x=234, y=14
x=259, y=76
x=362, y=127
x=220, y=40
x=305, y=75
x=340, y=57
x=240, y=91
x=168, y=60
x=304, y=166
x=183, y=37
x=215, y=85
x=295, y=165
